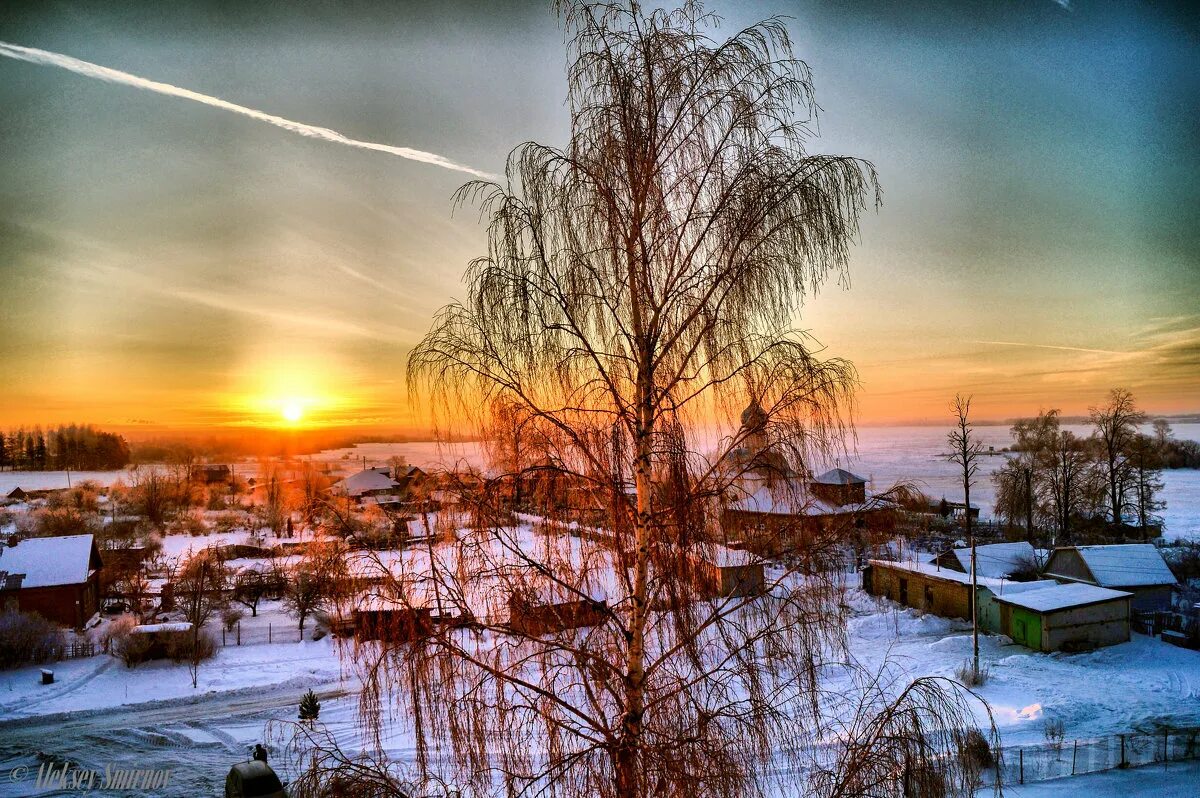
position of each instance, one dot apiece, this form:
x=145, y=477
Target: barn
x=58, y=577
x=1066, y=617
x=1135, y=568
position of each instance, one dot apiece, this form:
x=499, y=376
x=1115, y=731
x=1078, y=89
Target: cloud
x=97, y=72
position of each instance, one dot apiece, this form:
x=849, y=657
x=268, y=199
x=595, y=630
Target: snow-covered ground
x=1177, y=780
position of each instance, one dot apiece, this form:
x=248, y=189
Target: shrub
x=1056, y=732
x=230, y=617
x=27, y=637
x=968, y=676
x=113, y=631
x=179, y=646
x=131, y=648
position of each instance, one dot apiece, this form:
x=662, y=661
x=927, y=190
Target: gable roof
x=995, y=560
x=46, y=562
x=1062, y=597
x=1120, y=565
x=839, y=476
x=365, y=481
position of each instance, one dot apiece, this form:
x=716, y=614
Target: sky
x=186, y=257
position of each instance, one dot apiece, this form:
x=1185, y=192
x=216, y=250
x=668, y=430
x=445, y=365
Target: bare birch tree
x=638, y=284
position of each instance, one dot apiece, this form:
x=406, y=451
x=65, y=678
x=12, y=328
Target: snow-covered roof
x=839, y=476
x=996, y=560
x=366, y=481
x=1124, y=565
x=996, y=585
x=151, y=628
x=46, y=562
x=1062, y=597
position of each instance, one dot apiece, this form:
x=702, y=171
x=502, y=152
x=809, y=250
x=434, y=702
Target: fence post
x=1074, y=753
x=1166, y=747
x=1123, y=764
x=223, y=643
x=268, y=633
x=239, y=637
x=1022, y=756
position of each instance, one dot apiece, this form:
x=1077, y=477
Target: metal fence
x=258, y=635
x=1052, y=760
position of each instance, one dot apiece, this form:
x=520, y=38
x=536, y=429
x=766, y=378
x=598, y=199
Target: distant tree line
x=74, y=446
x=1062, y=482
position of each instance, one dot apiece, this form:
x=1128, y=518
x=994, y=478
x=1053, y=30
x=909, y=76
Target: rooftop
x=47, y=562
x=1121, y=565
x=1061, y=597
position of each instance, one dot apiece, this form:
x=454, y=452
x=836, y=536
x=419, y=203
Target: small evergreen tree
x=310, y=707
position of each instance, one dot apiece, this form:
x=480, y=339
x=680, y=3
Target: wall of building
x=1151, y=598
x=1094, y=626
x=922, y=592
x=69, y=605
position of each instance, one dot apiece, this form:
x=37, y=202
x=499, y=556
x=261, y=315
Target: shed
x=731, y=573
x=1067, y=617
x=1136, y=568
x=839, y=486
x=56, y=577
x=16, y=494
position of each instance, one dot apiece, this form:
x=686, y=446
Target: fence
x=1052, y=760
x=257, y=635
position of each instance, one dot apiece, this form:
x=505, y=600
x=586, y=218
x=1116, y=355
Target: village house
x=370, y=486
x=1136, y=568
x=210, y=474
x=58, y=577
x=1065, y=617
x=994, y=560
x=774, y=508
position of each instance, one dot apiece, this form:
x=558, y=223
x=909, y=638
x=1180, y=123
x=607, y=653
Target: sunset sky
x=168, y=263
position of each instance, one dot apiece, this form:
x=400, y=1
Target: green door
x=1027, y=628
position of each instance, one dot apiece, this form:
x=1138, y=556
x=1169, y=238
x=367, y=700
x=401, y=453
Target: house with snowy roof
x=994, y=560
x=1136, y=568
x=369, y=486
x=58, y=577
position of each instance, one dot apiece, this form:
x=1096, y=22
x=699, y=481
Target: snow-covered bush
x=180, y=647
x=27, y=637
x=969, y=677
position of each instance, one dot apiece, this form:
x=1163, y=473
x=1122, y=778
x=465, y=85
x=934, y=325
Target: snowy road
x=197, y=740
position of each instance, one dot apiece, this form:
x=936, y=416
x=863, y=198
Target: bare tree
x=965, y=452
x=1070, y=481
x=638, y=282
x=1145, y=472
x=199, y=588
x=1116, y=425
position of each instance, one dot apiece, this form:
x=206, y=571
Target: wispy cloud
x=97, y=72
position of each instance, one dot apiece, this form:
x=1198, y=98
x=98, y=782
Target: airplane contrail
x=97, y=72
x=1052, y=346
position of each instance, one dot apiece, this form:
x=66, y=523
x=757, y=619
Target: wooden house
x=1136, y=568
x=57, y=577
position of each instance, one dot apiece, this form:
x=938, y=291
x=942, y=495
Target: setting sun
x=292, y=411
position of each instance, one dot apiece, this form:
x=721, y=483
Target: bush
x=968, y=676
x=1056, y=732
x=230, y=616
x=179, y=646
x=132, y=649
x=27, y=637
